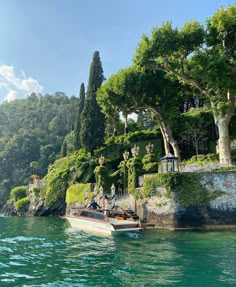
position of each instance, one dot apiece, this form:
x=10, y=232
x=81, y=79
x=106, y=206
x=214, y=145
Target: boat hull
x=100, y=227
x=91, y=226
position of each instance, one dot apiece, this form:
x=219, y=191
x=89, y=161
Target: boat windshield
x=95, y=215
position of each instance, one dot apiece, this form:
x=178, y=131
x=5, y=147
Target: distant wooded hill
x=31, y=134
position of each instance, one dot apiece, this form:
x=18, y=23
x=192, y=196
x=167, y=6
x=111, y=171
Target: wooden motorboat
x=104, y=221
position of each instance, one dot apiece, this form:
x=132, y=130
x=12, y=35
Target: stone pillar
x=113, y=196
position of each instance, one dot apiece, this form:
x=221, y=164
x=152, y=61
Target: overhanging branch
x=168, y=68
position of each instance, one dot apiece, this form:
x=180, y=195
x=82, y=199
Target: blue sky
x=47, y=45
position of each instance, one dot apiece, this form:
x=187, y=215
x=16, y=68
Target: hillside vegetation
x=31, y=134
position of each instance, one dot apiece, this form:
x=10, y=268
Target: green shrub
x=18, y=192
x=202, y=159
x=22, y=204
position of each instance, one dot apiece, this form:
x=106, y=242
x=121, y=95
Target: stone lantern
x=169, y=163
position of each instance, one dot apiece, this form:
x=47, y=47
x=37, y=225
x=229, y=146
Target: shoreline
x=203, y=227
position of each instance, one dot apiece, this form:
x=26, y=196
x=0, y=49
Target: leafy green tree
x=92, y=119
x=77, y=144
x=194, y=133
x=133, y=90
x=203, y=58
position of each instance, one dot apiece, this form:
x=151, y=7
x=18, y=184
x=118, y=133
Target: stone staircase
x=132, y=214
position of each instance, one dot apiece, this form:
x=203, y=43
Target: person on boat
x=94, y=205
x=106, y=202
x=106, y=205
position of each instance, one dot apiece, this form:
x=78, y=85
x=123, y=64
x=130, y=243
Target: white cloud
x=31, y=85
x=11, y=96
x=17, y=86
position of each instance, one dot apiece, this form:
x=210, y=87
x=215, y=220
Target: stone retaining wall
x=165, y=212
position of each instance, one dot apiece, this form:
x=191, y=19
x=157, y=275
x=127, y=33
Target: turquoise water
x=46, y=252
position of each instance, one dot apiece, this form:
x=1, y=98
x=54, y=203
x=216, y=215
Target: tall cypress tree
x=77, y=144
x=64, y=149
x=92, y=119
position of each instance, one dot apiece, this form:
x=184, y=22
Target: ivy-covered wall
x=76, y=193
x=115, y=150
x=78, y=196
x=175, y=200
x=186, y=188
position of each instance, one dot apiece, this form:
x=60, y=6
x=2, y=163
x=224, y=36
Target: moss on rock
x=185, y=188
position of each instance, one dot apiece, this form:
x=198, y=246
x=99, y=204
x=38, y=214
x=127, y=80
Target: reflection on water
x=46, y=252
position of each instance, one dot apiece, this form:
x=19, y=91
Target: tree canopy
x=134, y=90
x=202, y=57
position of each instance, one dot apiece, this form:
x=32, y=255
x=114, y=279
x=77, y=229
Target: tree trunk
x=169, y=137
x=167, y=134
x=126, y=124
x=166, y=143
x=222, y=121
x=196, y=147
x=224, y=141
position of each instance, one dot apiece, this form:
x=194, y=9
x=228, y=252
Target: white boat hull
x=91, y=226
x=102, y=227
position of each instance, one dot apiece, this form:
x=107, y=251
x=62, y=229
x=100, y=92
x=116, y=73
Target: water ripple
x=20, y=238
x=46, y=252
